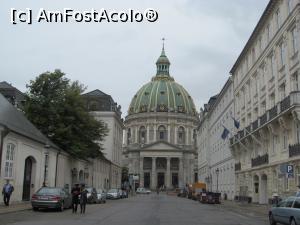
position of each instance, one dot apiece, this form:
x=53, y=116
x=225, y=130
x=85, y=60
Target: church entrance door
x=160, y=179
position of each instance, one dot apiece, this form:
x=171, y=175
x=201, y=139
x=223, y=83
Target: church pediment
x=160, y=145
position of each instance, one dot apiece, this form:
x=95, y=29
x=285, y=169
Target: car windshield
x=49, y=191
x=113, y=190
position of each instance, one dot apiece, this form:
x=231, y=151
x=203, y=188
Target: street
x=140, y=210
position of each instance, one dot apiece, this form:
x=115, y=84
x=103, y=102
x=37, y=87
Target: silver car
x=286, y=212
x=101, y=194
x=113, y=194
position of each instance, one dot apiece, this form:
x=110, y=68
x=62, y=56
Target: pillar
x=168, y=174
x=169, y=133
x=154, y=135
x=148, y=134
x=141, y=172
x=153, y=174
x=180, y=182
x=175, y=133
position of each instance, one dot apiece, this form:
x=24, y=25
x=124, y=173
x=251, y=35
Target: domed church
x=161, y=132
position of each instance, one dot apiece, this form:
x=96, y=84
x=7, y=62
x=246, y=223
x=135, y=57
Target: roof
x=5, y=85
x=96, y=92
x=254, y=34
x=16, y=121
x=162, y=94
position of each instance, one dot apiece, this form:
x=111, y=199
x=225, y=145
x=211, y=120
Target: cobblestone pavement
x=142, y=210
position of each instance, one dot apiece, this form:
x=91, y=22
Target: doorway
x=160, y=179
x=175, y=180
x=147, y=180
x=27, y=183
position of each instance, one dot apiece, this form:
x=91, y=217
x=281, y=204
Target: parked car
x=286, y=212
x=101, y=195
x=124, y=194
x=92, y=195
x=143, y=191
x=120, y=193
x=51, y=197
x=113, y=194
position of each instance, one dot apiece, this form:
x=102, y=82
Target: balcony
x=273, y=112
x=237, y=166
x=260, y=160
x=285, y=103
x=255, y=125
x=263, y=119
x=294, y=150
x=291, y=101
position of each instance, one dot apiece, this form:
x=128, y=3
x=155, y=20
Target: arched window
x=162, y=133
x=128, y=136
x=9, y=160
x=181, y=135
x=142, y=134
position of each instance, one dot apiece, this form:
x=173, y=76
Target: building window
x=162, y=132
x=282, y=54
x=9, y=161
x=282, y=91
x=268, y=33
x=128, y=136
x=294, y=40
x=295, y=81
x=181, y=135
x=278, y=19
x=142, y=135
x=298, y=133
x=285, y=139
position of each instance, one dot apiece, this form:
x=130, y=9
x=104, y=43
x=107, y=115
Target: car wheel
x=35, y=208
x=62, y=207
x=271, y=219
x=293, y=222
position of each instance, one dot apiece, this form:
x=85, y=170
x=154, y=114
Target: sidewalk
x=14, y=207
x=246, y=208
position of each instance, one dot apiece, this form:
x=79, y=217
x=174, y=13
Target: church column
x=141, y=171
x=181, y=183
x=153, y=174
x=175, y=133
x=148, y=134
x=154, y=136
x=169, y=134
x=168, y=174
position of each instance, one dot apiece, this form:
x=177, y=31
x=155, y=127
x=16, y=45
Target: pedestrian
x=6, y=192
x=75, y=197
x=157, y=190
x=83, y=199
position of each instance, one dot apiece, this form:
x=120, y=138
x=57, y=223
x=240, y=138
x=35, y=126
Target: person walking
x=83, y=199
x=6, y=192
x=75, y=197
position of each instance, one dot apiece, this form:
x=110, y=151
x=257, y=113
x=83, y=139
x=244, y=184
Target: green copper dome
x=162, y=94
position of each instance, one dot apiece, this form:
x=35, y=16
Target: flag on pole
x=236, y=123
x=225, y=133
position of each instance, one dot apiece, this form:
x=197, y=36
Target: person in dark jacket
x=6, y=192
x=75, y=197
x=83, y=199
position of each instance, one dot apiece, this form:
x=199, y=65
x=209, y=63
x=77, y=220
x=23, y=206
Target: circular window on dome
x=162, y=92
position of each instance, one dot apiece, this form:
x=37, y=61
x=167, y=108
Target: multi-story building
x=104, y=108
x=267, y=99
x=216, y=163
x=161, y=132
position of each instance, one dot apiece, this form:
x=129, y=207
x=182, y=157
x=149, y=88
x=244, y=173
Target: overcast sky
x=203, y=40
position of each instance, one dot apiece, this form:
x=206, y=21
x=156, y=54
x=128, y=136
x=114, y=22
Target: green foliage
x=55, y=106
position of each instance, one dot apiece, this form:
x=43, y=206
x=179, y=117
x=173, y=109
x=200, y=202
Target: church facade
x=160, y=132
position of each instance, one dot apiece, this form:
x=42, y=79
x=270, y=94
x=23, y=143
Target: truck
x=197, y=189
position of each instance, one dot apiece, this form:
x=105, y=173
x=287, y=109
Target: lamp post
x=217, y=172
x=47, y=146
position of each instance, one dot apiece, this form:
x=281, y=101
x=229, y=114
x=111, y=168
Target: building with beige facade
x=160, y=132
x=215, y=161
x=102, y=107
x=267, y=105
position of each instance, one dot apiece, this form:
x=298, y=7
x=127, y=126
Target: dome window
x=162, y=133
x=180, y=109
x=162, y=92
x=143, y=108
x=178, y=93
x=146, y=93
x=162, y=108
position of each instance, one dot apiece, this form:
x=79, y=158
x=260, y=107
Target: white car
x=143, y=191
x=101, y=196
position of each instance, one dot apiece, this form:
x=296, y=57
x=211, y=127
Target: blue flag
x=225, y=133
x=236, y=123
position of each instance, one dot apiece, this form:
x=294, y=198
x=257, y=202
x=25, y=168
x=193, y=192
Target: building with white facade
x=215, y=161
x=102, y=107
x=160, y=132
x=267, y=104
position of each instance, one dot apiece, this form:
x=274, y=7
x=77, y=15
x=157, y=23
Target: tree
x=55, y=106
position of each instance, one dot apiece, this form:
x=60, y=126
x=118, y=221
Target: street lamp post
x=46, y=162
x=217, y=172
